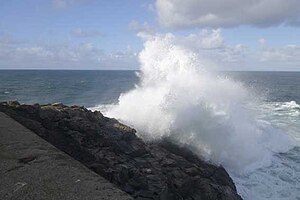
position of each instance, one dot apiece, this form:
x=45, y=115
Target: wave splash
x=181, y=98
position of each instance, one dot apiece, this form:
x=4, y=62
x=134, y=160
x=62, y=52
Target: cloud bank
x=17, y=55
x=210, y=44
x=227, y=13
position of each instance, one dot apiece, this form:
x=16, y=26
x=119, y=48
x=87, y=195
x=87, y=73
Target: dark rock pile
x=160, y=170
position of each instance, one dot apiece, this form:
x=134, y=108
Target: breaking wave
x=179, y=97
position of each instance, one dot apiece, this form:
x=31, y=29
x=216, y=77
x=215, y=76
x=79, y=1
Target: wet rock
x=160, y=170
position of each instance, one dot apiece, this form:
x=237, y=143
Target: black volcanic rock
x=160, y=170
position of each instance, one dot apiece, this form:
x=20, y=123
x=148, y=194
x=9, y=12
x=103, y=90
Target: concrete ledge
x=32, y=169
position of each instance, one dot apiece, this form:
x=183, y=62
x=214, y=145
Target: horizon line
x=140, y=70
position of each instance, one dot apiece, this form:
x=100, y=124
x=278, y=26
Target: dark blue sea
x=88, y=88
x=91, y=88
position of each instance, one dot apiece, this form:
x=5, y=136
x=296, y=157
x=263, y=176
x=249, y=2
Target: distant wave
x=291, y=105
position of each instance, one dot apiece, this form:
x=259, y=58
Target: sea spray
x=181, y=98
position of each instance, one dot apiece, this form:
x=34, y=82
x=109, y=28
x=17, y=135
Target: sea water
x=277, y=110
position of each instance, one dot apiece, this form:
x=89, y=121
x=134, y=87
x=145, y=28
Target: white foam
x=279, y=181
x=179, y=97
x=103, y=108
x=292, y=105
x=285, y=115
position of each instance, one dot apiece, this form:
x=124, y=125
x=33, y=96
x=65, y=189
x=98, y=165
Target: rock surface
x=159, y=170
x=33, y=169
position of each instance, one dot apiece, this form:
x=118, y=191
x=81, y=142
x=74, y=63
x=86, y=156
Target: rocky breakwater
x=160, y=170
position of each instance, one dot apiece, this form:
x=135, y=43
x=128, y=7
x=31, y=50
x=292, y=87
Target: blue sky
x=34, y=20
x=99, y=34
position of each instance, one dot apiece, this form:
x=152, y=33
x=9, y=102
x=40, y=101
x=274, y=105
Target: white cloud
x=33, y=51
x=205, y=39
x=235, y=53
x=262, y=41
x=149, y=7
x=211, y=45
x=78, y=32
x=287, y=54
x=227, y=13
x=61, y=4
x=62, y=56
x=143, y=28
x=7, y=45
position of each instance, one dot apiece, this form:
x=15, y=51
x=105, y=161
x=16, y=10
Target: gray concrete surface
x=32, y=169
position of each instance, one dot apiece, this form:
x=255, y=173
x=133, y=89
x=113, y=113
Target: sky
x=259, y=35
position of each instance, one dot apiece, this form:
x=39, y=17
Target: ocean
x=277, y=108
